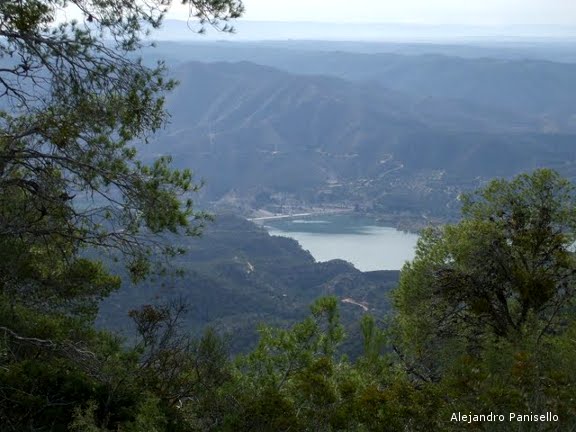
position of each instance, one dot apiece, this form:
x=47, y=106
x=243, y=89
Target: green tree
x=295, y=380
x=483, y=310
x=75, y=102
x=289, y=382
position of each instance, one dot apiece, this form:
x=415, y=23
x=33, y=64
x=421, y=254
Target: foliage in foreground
x=446, y=351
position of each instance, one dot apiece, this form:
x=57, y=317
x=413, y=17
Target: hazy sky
x=464, y=12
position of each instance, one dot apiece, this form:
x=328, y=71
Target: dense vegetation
x=483, y=323
x=483, y=317
x=236, y=276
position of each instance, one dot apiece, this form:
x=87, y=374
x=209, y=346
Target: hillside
x=237, y=276
x=528, y=79
x=265, y=138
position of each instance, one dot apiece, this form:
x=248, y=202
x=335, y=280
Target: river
x=357, y=240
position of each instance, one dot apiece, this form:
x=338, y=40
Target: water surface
x=357, y=240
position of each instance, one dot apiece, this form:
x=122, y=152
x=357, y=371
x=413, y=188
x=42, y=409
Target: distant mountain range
x=405, y=136
x=284, y=30
x=497, y=78
x=292, y=52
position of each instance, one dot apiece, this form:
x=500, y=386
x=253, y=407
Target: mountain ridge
x=302, y=141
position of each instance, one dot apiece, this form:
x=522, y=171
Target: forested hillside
x=312, y=141
x=522, y=78
x=236, y=276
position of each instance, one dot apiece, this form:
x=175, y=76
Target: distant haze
x=384, y=20
x=393, y=32
x=434, y=12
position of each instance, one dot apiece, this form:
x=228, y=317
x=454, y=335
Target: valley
x=281, y=132
x=273, y=141
x=237, y=276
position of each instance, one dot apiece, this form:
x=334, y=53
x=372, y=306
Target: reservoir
x=357, y=240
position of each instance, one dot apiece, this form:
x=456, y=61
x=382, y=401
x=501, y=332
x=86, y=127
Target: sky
x=429, y=12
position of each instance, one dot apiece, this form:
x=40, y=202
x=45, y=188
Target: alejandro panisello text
x=491, y=417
